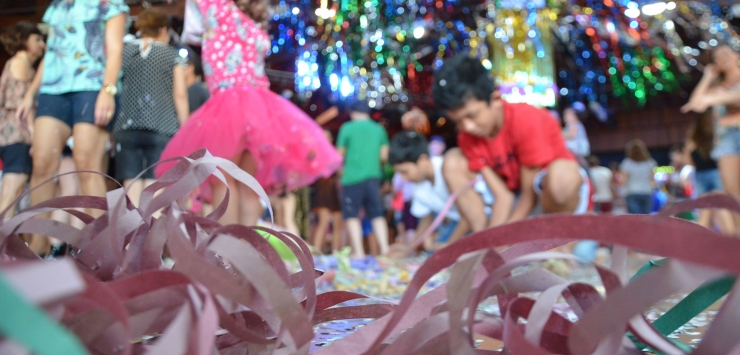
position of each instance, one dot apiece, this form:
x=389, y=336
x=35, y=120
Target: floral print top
x=75, y=55
x=234, y=47
x=12, y=90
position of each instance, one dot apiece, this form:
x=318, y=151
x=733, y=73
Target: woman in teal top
x=76, y=83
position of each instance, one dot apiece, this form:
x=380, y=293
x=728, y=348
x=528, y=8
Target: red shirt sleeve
x=474, y=149
x=538, y=140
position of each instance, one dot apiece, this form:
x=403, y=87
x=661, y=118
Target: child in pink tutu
x=263, y=133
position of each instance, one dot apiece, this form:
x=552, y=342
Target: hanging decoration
x=372, y=49
x=385, y=50
x=522, y=57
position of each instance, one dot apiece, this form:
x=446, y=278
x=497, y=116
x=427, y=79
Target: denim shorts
x=445, y=230
x=16, y=159
x=707, y=181
x=73, y=108
x=137, y=150
x=365, y=194
x=728, y=142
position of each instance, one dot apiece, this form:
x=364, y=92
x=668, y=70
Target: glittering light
x=632, y=10
x=334, y=81
x=418, y=32
x=346, y=88
x=610, y=27
x=654, y=8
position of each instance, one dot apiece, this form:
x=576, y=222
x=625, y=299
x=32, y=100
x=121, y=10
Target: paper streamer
x=229, y=291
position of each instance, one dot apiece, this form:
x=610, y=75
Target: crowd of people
x=95, y=95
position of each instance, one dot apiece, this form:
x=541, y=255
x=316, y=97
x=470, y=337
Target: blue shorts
x=136, y=151
x=445, y=230
x=728, y=142
x=16, y=159
x=707, y=181
x=73, y=108
x=366, y=195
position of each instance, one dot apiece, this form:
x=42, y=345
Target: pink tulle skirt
x=289, y=148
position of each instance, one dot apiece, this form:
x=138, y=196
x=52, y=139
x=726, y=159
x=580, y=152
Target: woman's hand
x=697, y=105
x=105, y=107
x=710, y=72
x=24, y=109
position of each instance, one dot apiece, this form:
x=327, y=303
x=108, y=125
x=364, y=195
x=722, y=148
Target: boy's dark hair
x=460, y=79
x=14, y=38
x=407, y=147
x=194, y=60
x=360, y=106
x=593, y=161
x=676, y=148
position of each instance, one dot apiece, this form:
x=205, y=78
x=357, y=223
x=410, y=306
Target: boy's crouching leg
x=457, y=176
x=561, y=187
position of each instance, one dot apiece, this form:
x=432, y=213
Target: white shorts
x=584, y=192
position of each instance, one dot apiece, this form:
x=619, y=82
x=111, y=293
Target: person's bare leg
x=469, y=202
x=337, y=231
x=134, y=190
x=88, y=153
x=561, y=186
x=144, y=184
x=59, y=215
x=428, y=244
x=50, y=135
x=231, y=216
x=401, y=229
x=724, y=221
x=277, y=211
x=13, y=185
x=289, y=208
x=560, y=192
x=206, y=210
x=250, y=207
x=729, y=170
x=322, y=226
x=372, y=244
x=354, y=228
x=705, y=218
x=380, y=230
x=67, y=186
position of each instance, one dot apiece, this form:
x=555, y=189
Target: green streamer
x=30, y=327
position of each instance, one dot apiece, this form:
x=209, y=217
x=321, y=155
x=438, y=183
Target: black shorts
x=73, y=108
x=365, y=194
x=137, y=150
x=16, y=159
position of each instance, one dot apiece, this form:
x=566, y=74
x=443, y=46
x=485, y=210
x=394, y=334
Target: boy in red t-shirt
x=517, y=149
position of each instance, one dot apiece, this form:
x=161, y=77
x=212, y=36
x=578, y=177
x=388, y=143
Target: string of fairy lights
x=382, y=50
